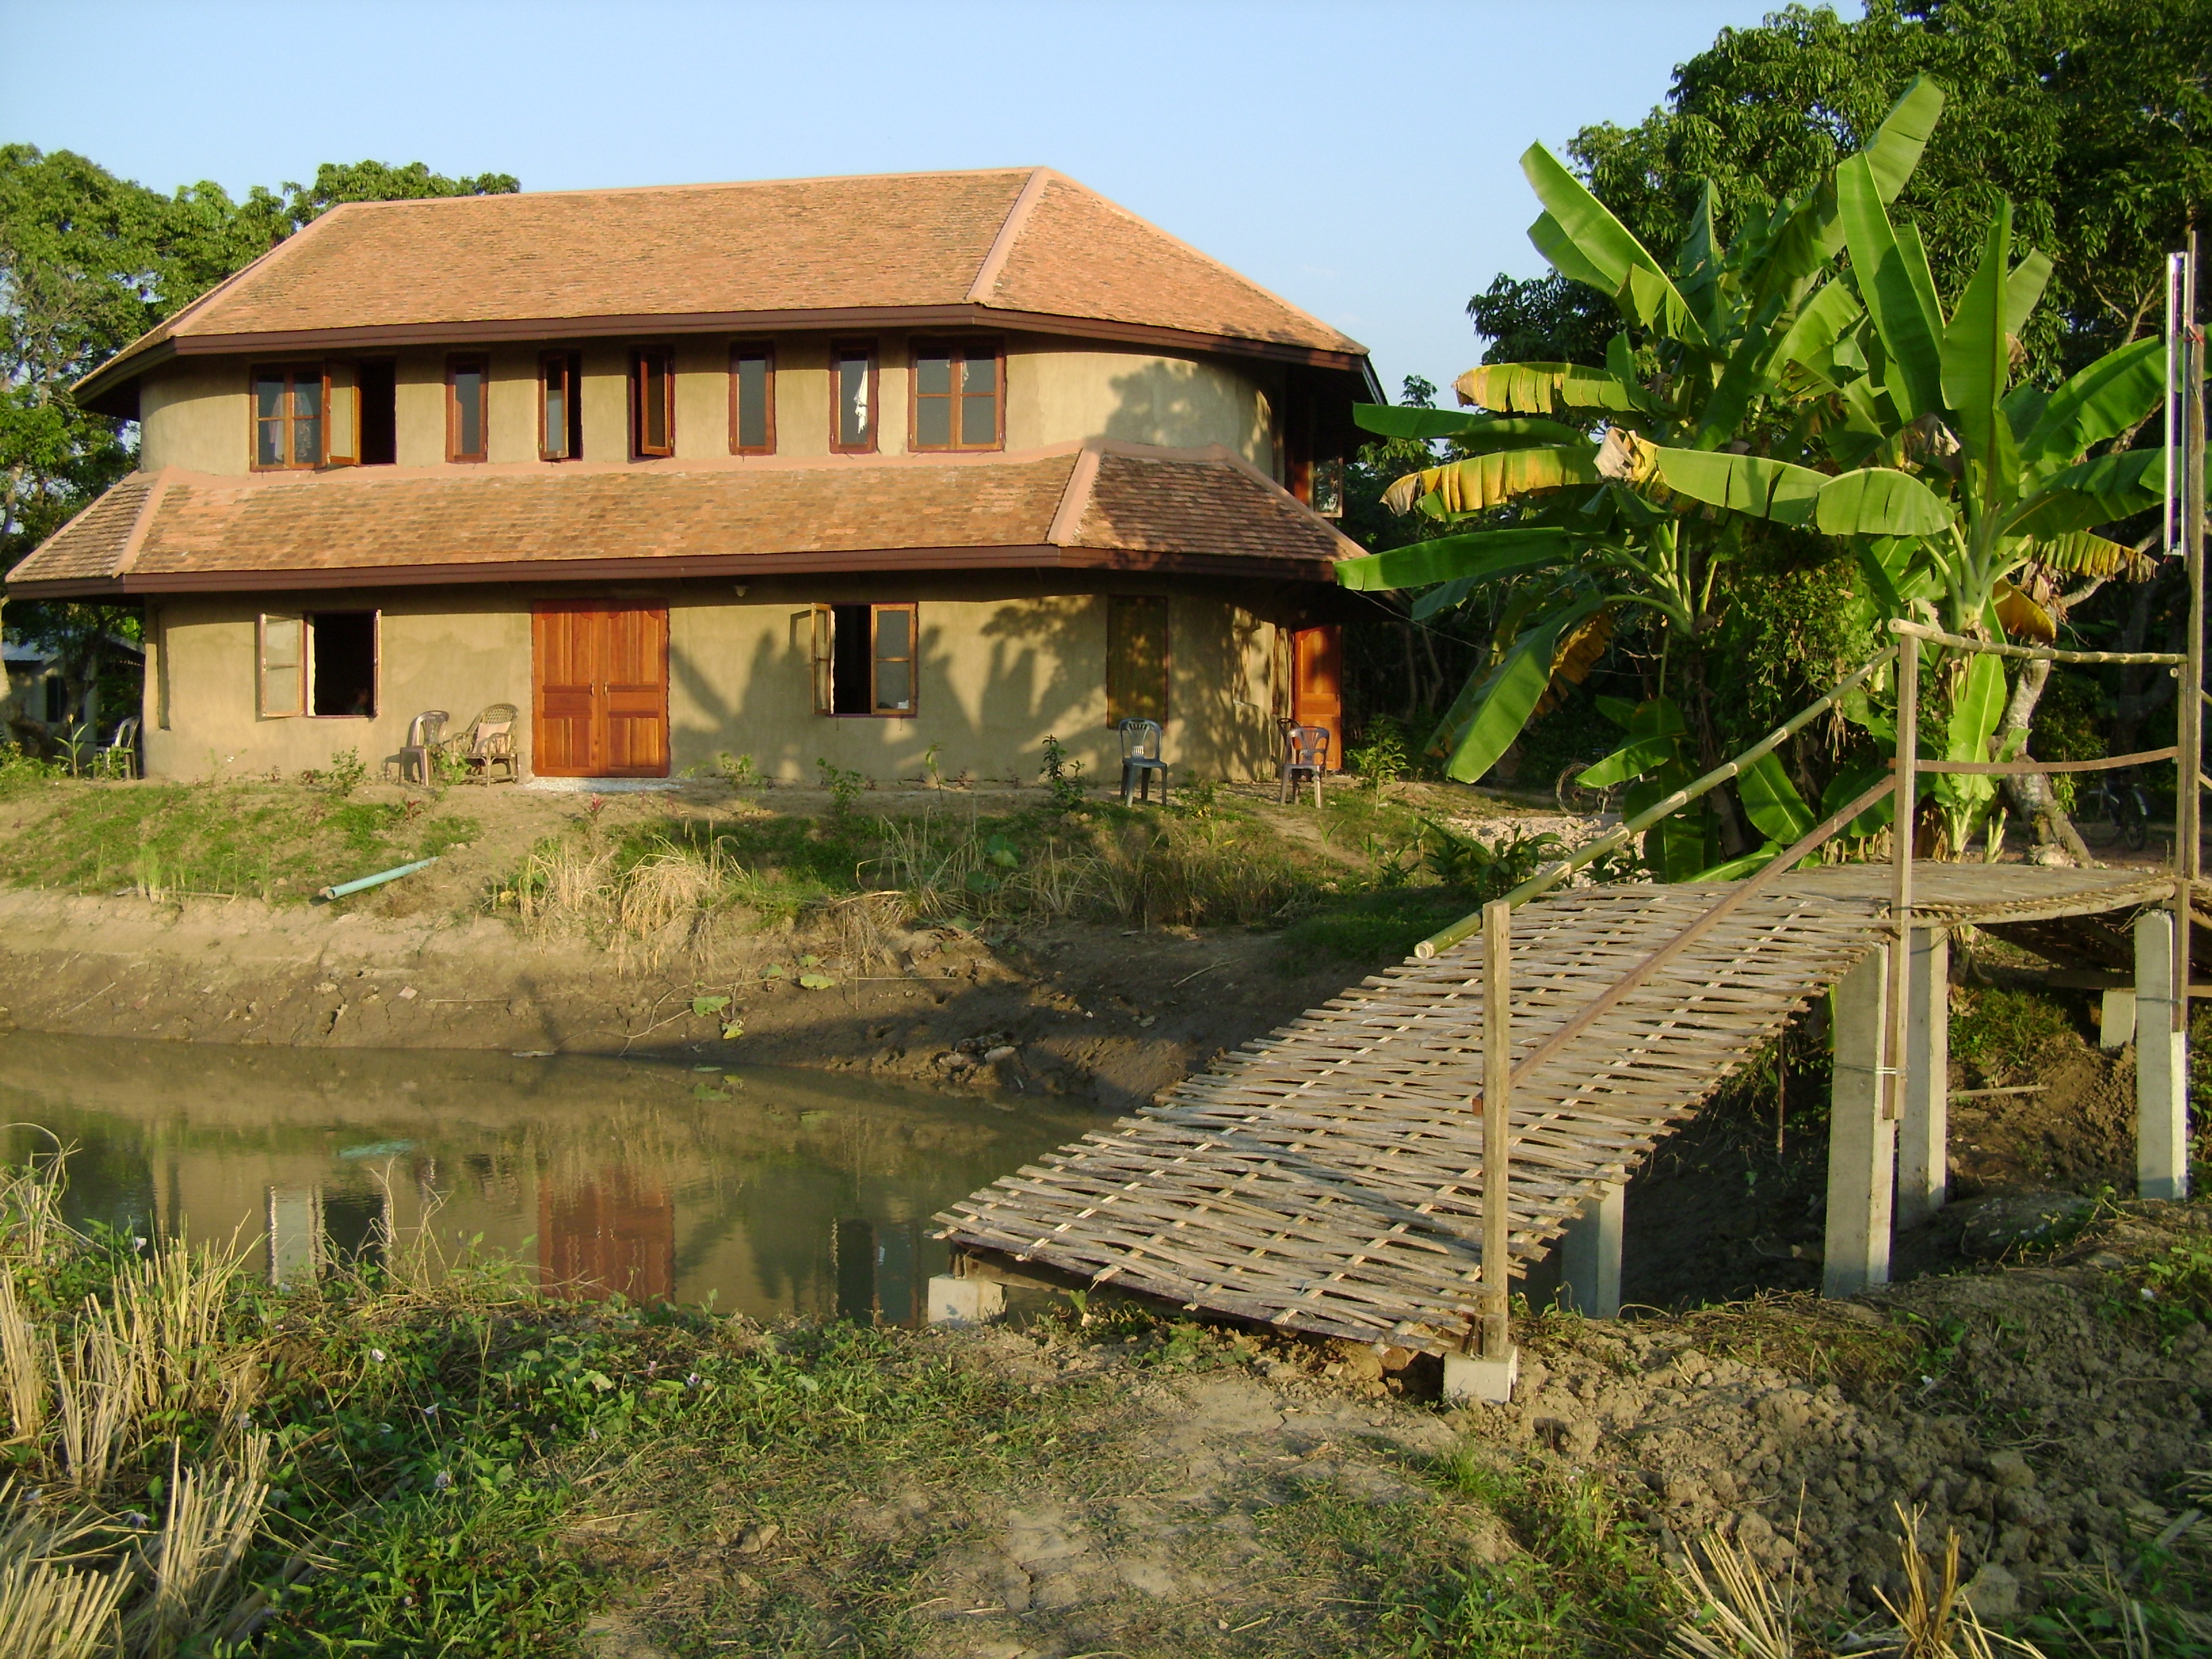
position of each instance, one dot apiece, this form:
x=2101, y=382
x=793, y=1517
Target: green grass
x=271, y=840
x=1377, y=927
x=1995, y=1028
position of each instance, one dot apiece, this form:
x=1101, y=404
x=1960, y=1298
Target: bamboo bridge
x=1351, y=1174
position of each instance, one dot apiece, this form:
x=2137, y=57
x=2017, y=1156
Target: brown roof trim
x=678, y=568
x=137, y=540
x=1010, y=232
x=1075, y=499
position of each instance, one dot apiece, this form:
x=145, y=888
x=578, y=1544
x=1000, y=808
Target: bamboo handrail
x=2022, y=768
x=1557, y=872
x=1781, y=864
x=2038, y=653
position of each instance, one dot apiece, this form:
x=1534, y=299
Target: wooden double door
x=599, y=691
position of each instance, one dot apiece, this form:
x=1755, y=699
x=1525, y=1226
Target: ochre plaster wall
x=197, y=413
x=1005, y=663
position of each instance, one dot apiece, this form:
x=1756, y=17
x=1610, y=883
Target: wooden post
x=1497, y=1121
x=1898, y=1013
x=2188, y=834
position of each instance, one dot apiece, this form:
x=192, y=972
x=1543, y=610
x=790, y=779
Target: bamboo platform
x=1328, y=1178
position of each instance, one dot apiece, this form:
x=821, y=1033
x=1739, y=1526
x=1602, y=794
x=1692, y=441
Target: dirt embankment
x=1088, y=1013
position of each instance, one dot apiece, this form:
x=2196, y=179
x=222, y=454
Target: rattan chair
x=490, y=742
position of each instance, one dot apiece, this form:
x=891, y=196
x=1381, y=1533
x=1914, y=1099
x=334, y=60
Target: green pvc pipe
x=345, y=888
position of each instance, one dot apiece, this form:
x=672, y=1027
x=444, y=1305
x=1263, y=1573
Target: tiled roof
x=1024, y=240
x=95, y=542
x=1201, y=511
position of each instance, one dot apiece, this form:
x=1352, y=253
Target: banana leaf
x=1485, y=481
x=2100, y=402
x=1741, y=484
x=1847, y=786
x=1896, y=295
x=1551, y=389
x=1680, y=844
x=1473, y=431
x=1480, y=555
x=1772, y=802
x=1632, y=760
x=1749, y=865
x=1879, y=501
x=1578, y=235
x=1618, y=710
x=2092, y=493
x=1506, y=697
x=1443, y=596
x=1977, y=361
x=2024, y=288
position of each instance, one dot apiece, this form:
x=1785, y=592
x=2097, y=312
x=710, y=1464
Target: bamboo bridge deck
x=1328, y=1178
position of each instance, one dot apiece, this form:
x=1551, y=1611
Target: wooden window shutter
x=342, y=415
x=891, y=688
x=281, y=664
x=1136, y=659
x=825, y=625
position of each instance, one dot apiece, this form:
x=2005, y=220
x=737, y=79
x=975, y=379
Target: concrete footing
x=1923, y=1135
x=1589, y=1256
x=2115, y=1021
x=1472, y=1376
x=964, y=1301
x=1862, y=1143
x=2161, y=1065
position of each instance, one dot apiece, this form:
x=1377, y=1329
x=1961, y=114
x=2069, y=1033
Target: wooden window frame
x=455, y=363
x=839, y=349
x=638, y=451
x=1167, y=660
x=825, y=659
x=375, y=614
x=741, y=350
x=572, y=368
x=262, y=703
x=961, y=352
x=292, y=375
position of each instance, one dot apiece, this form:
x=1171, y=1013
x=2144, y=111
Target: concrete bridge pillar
x=2161, y=1065
x=1861, y=1142
x=1589, y=1256
x=1923, y=1136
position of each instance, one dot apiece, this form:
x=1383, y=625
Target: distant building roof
x=1113, y=506
x=1013, y=246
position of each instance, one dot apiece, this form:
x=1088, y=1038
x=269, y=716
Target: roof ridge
x=155, y=488
x=1075, y=499
x=671, y=189
x=1010, y=232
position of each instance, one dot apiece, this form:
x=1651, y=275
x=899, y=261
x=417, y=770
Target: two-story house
x=879, y=470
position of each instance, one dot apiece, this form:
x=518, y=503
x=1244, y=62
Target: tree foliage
x=88, y=263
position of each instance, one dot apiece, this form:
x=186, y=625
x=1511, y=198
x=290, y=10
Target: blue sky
x=1361, y=159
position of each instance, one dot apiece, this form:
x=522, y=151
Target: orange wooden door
x=1317, y=683
x=600, y=692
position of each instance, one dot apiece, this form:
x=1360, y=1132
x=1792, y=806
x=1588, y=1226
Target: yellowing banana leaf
x=2080, y=553
x=1772, y=802
x=1741, y=484
x=1576, y=655
x=1550, y=389
x=1485, y=481
x=2023, y=618
x=1471, y=430
x=1482, y=556
x=1879, y=501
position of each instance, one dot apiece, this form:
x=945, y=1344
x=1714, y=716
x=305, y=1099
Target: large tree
x=88, y=263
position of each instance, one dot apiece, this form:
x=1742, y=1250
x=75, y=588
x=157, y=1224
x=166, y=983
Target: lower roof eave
x=719, y=567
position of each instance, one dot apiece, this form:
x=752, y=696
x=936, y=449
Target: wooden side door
x=565, y=642
x=600, y=692
x=633, y=682
x=1317, y=683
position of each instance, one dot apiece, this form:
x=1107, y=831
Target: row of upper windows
x=315, y=415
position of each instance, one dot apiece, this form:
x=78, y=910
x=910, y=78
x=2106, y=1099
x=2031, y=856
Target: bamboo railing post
x=1902, y=825
x=2188, y=833
x=1497, y=1121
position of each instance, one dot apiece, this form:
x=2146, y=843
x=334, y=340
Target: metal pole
x=1901, y=828
x=2188, y=831
x=1497, y=1125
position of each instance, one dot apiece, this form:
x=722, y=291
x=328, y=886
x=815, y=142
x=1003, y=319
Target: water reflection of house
x=308, y=1228
x=610, y=1233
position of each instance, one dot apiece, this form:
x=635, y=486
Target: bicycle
x=1577, y=797
x=2119, y=800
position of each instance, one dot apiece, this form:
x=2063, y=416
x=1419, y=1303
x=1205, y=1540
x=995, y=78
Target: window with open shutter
x=341, y=406
x=752, y=399
x=653, y=402
x=865, y=659
x=282, y=664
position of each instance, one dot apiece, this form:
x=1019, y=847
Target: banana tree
x=1534, y=485
x=1982, y=495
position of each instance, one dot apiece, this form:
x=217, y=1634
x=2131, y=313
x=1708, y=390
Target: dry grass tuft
x=1740, y=1612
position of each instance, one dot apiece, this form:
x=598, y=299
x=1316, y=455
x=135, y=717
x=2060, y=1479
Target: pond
x=757, y=1190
